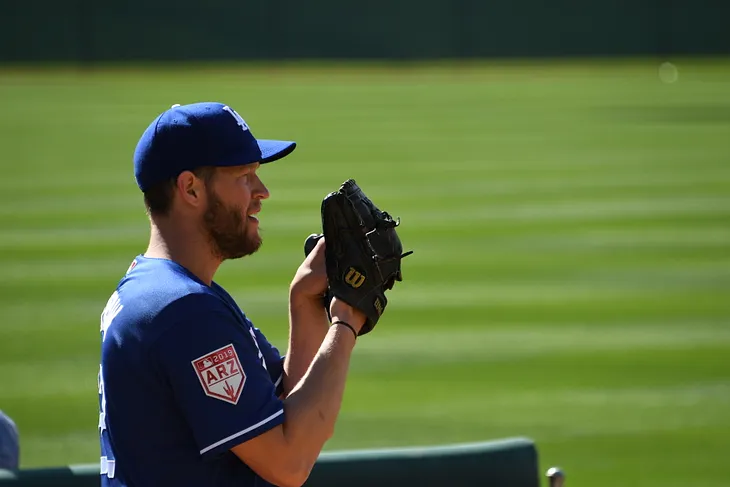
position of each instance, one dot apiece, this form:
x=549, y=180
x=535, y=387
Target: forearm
x=308, y=325
x=313, y=405
x=286, y=454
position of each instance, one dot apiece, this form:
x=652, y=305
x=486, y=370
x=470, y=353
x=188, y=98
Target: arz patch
x=220, y=374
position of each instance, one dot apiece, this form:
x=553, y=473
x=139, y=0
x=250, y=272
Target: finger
x=311, y=242
x=320, y=245
x=318, y=255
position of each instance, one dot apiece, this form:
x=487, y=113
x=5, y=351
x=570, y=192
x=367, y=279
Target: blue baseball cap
x=199, y=134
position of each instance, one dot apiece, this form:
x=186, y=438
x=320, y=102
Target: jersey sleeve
x=212, y=363
x=274, y=360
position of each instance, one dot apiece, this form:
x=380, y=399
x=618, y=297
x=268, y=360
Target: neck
x=185, y=246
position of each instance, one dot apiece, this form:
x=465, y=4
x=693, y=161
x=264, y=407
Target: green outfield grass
x=570, y=222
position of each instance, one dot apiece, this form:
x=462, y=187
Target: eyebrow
x=244, y=169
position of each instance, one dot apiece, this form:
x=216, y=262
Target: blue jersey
x=184, y=377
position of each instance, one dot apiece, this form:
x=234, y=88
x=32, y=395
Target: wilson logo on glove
x=378, y=306
x=354, y=278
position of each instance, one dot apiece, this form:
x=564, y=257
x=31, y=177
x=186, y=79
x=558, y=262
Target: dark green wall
x=509, y=461
x=85, y=30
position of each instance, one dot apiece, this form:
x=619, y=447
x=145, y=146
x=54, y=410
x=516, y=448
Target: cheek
x=243, y=192
x=236, y=195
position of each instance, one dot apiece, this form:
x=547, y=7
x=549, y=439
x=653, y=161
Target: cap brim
x=271, y=150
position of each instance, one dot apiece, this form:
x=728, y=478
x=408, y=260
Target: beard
x=228, y=231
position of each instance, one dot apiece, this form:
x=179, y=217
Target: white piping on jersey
x=240, y=433
x=256, y=342
x=276, y=384
x=107, y=467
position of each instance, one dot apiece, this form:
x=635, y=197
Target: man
x=190, y=392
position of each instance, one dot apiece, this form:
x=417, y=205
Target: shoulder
x=159, y=277
x=156, y=285
x=195, y=321
x=194, y=306
x=155, y=296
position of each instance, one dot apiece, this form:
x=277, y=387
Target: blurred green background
x=570, y=222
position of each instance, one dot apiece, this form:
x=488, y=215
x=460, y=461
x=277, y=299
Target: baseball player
x=191, y=393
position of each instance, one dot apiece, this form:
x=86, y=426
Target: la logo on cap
x=239, y=120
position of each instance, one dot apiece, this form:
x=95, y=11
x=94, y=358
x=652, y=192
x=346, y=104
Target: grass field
x=570, y=221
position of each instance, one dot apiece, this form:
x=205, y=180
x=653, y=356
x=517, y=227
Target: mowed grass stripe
x=455, y=293
x=404, y=351
x=477, y=206
x=541, y=180
x=53, y=448
x=496, y=342
x=522, y=172
x=684, y=399
x=599, y=248
x=449, y=215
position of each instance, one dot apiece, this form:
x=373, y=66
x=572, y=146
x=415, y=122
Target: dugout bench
x=510, y=462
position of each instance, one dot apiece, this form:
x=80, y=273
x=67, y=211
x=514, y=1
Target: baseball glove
x=363, y=254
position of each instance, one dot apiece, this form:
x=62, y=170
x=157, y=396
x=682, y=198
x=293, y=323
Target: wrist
x=352, y=319
x=342, y=311
x=345, y=324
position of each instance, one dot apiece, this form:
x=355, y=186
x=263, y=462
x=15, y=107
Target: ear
x=190, y=189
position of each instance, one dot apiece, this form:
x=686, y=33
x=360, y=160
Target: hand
x=310, y=280
x=364, y=260
x=341, y=311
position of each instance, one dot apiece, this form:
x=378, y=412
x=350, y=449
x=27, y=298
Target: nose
x=260, y=190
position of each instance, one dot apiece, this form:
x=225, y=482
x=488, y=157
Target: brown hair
x=158, y=198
